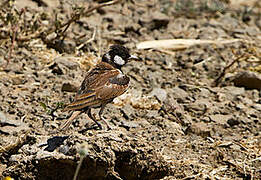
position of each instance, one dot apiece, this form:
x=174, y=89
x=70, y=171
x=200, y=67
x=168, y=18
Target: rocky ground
x=192, y=112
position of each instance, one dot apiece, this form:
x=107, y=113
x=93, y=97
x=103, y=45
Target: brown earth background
x=192, y=111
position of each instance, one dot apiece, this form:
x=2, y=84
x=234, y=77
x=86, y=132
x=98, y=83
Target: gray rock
x=67, y=87
x=14, y=130
x=64, y=149
x=3, y=118
x=157, y=21
x=67, y=61
x=204, y=92
x=160, y=93
x=220, y=118
x=179, y=93
x=232, y=92
x=5, y=121
x=233, y=122
x=200, y=129
x=129, y=124
x=16, y=158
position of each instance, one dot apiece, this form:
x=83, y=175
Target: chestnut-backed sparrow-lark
x=101, y=85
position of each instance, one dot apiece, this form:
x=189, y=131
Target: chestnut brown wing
x=114, y=87
x=98, y=88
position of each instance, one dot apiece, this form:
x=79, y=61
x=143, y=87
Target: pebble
x=68, y=87
x=179, y=93
x=67, y=61
x=247, y=79
x=200, y=129
x=160, y=93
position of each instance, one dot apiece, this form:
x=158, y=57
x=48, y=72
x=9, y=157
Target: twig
x=77, y=16
x=223, y=73
x=89, y=40
x=165, y=51
x=83, y=151
x=38, y=34
x=99, y=43
x=14, y=30
x=177, y=44
x=78, y=168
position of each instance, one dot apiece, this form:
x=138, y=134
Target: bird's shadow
x=54, y=142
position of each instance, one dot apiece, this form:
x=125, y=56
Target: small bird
x=101, y=85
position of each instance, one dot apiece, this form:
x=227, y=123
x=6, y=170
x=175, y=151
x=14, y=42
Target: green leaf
x=43, y=105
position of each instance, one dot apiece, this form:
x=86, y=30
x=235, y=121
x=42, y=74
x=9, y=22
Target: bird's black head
x=118, y=56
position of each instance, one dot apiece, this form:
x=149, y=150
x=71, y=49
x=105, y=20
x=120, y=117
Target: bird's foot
x=98, y=124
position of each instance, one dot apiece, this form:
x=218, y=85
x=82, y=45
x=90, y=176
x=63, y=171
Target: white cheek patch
x=118, y=60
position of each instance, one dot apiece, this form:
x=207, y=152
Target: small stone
x=200, y=129
x=157, y=21
x=16, y=158
x=240, y=106
x=179, y=93
x=257, y=106
x=197, y=107
x=233, y=122
x=2, y=168
x=174, y=127
x=220, y=118
x=3, y=118
x=129, y=124
x=247, y=79
x=204, y=92
x=55, y=142
x=17, y=80
x=51, y=36
x=5, y=121
x=13, y=130
x=160, y=20
x=67, y=61
x=236, y=147
x=67, y=87
x=64, y=149
x=161, y=94
x=232, y=92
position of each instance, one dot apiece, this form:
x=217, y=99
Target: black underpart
x=124, y=80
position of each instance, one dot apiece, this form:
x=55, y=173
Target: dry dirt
x=192, y=113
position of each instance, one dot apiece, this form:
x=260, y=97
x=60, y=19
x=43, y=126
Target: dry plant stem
x=67, y=24
x=14, y=30
x=78, y=168
x=99, y=43
x=165, y=51
x=177, y=44
x=77, y=16
x=89, y=40
x=223, y=73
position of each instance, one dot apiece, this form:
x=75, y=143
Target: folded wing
x=99, y=87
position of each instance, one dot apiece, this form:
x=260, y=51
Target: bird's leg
x=93, y=118
x=100, y=116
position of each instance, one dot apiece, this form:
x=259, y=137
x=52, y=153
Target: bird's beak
x=134, y=58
